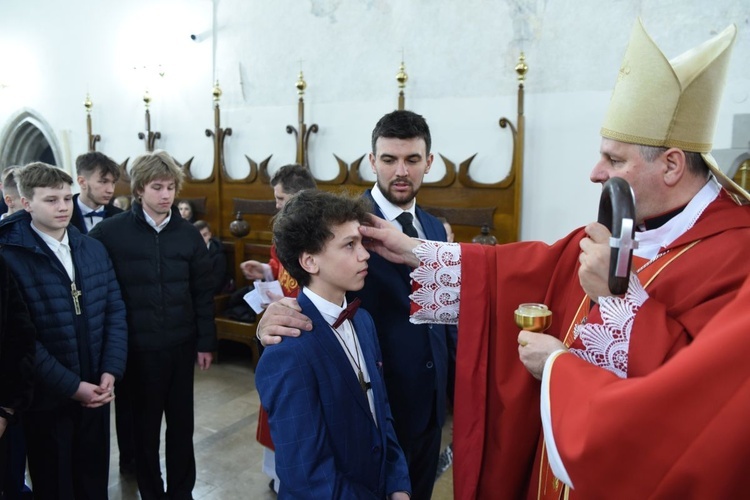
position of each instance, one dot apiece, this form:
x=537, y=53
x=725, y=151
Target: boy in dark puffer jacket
x=69, y=285
x=165, y=274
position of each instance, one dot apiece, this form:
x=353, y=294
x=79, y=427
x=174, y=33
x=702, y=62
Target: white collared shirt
x=152, y=222
x=85, y=209
x=61, y=249
x=652, y=241
x=391, y=211
x=346, y=336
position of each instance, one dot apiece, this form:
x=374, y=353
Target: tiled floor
x=227, y=455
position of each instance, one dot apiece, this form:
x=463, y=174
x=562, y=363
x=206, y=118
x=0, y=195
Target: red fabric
x=496, y=413
x=290, y=287
x=680, y=432
x=263, y=432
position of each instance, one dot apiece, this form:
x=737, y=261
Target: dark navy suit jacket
x=327, y=443
x=77, y=218
x=415, y=356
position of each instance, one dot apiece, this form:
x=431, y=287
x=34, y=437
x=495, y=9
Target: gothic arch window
x=28, y=138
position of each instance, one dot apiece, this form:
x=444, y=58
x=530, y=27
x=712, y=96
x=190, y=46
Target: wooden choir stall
x=240, y=210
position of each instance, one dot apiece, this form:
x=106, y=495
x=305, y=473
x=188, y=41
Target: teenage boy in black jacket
x=164, y=271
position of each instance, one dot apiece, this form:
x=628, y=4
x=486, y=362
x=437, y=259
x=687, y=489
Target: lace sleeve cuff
x=436, y=283
x=608, y=344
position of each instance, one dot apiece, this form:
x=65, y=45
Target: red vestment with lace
x=680, y=432
x=496, y=415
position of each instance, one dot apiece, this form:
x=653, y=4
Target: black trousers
x=68, y=451
x=422, y=454
x=124, y=422
x=13, y=455
x=161, y=384
x=4, y=458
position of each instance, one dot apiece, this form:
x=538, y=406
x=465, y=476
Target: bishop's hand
x=535, y=348
x=383, y=238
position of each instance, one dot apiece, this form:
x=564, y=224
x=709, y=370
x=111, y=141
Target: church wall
x=459, y=57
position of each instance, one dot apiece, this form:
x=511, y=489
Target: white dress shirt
x=93, y=220
x=61, y=249
x=391, y=211
x=346, y=336
x=152, y=222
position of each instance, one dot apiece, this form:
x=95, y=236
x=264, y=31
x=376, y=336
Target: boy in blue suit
x=417, y=356
x=324, y=390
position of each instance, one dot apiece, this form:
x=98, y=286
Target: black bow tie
x=347, y=313
x=100, y=213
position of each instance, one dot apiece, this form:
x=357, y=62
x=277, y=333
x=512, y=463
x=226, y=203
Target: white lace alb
x=439, y=275
x=606, y=344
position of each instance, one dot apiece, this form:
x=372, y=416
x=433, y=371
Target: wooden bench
x=230, y=329
x=236, y=331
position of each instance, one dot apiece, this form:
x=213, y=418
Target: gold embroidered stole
x=289, y=285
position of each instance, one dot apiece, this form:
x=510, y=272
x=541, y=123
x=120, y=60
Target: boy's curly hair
x=305, y=222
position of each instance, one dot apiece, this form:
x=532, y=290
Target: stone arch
x=26, y=138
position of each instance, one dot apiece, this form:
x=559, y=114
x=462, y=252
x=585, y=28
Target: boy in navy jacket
x=324, y=390
x=69, y=286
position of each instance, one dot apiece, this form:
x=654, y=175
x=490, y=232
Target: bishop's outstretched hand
x=384, y=239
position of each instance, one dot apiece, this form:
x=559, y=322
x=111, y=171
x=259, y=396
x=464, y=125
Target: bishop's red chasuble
x=681, y=432
x=496, y=413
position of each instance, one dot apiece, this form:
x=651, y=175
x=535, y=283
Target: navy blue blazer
x=327, y=443
x=77, y=219
x=415, y=356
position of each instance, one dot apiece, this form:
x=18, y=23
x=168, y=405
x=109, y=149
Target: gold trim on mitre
x=658, y=102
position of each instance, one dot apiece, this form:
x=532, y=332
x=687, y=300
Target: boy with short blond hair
x=69, y=285
x=324, y=391
x=165, y=274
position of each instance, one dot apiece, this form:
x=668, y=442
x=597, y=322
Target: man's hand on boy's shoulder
x=282, y=318
x=399, y=495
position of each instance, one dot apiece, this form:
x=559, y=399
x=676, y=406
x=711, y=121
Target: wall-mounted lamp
x=149, y=137
x=92, y=137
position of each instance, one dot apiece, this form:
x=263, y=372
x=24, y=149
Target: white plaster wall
x=459, y=57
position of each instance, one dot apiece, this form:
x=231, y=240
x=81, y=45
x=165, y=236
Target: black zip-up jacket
x=165, y=278
x=17, y=335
